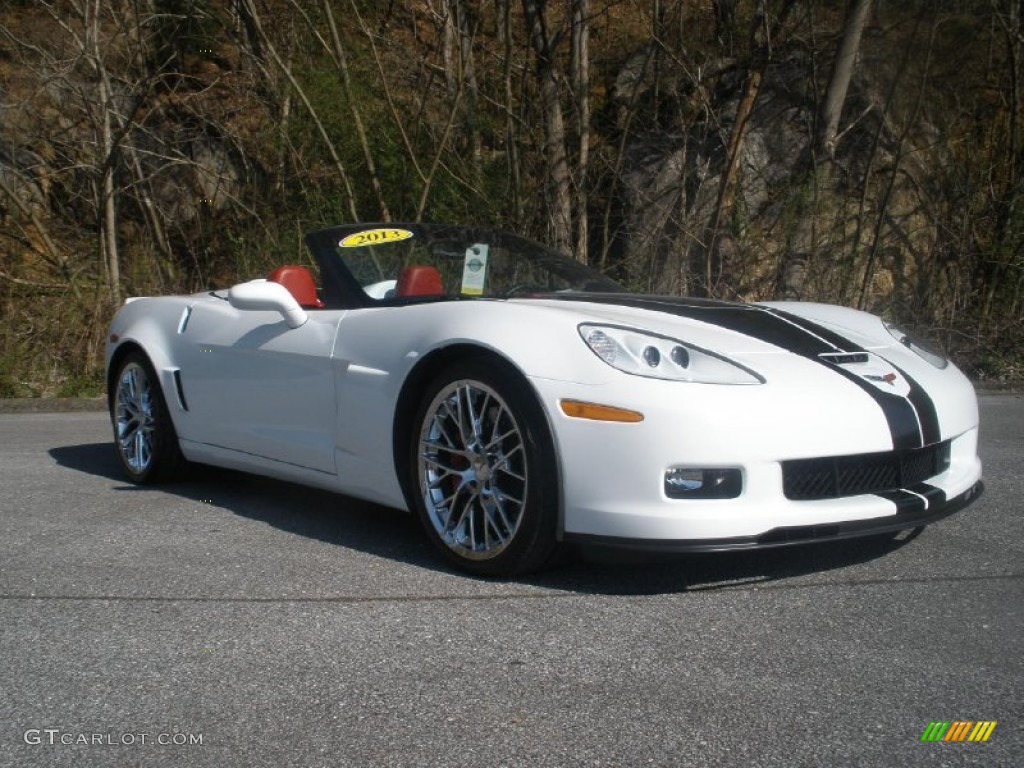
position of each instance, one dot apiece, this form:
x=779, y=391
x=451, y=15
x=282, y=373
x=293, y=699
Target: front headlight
x=660, y=357
x=921, y=348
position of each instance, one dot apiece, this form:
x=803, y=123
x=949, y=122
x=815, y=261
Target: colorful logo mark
x=958, y=730
x=889, y=378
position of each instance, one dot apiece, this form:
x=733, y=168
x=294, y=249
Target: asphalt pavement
x=229, y=620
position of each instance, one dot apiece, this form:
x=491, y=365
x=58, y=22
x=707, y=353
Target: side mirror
x=263, y=296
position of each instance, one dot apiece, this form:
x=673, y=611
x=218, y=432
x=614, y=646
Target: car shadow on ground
x=384, y=532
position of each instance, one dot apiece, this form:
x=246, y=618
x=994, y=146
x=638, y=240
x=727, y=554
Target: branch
x=286, y=70
x=387, y=94
x=27, y=211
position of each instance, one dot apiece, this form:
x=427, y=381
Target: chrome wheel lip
x=134, y=418
x=472, y=469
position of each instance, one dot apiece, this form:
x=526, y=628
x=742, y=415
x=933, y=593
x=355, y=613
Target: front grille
x=831, y=477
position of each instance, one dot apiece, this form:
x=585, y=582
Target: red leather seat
x=299, y=283
x=419, y=281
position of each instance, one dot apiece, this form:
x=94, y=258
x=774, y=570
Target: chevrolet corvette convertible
x=515, y=400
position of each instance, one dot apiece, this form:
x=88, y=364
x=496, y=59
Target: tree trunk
x=448, y=47
x=558, y=180
x=107, y=162
x=581, y=84
x=727, y=187
x=467, y=70
x=511, y=134
x=846, y=58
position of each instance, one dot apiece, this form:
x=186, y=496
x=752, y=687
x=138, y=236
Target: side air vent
x=844, y=358
x=181, y=391
x=186, y=314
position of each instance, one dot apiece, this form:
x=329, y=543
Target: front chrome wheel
x=134, y=418
x=472, y=469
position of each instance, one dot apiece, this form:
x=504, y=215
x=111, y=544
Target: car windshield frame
x=342, y=250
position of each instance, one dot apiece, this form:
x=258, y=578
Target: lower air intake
x=833, y=477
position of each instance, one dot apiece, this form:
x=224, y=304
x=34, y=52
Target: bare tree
x=842, y=72
x=508, y=107
x=556, y=161
x=341, y=59
x=343, y=176
x=580, y=69
x=765, y=32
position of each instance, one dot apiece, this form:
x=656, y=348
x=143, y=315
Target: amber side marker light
x=581, y=410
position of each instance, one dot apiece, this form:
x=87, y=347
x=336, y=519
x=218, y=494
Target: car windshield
x=401, y=262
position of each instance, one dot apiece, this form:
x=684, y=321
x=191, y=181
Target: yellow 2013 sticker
x=375, y=237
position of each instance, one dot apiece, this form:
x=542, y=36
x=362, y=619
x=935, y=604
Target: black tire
x=144, y=436
x=483, y=475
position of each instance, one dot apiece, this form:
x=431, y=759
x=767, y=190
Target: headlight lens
x=921, y=348
x=660, y=357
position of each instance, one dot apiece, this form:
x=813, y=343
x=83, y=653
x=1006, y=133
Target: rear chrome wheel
x=144, y=435
x=133, y=418
x=484, y=474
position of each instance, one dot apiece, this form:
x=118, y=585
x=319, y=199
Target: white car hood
x=731, y=328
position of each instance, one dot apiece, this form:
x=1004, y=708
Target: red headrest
x=299, y=283
x=419, y=281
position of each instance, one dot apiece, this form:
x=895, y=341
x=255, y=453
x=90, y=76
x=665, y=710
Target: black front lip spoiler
x=790, y=535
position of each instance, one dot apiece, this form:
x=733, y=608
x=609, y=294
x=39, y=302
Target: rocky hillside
x=701, y=148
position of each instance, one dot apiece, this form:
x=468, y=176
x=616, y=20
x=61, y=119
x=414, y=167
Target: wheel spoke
x=472, y=420
x=446, y=472
x=140, y=447
x=491, y=511
x=500, y=438
x=127, y=446
x=453, y=523
x=130, y=385
x=503, y=468
x=460, y=419
x=501, y=496
x=478, y=419
x=471, y=522
x=488, y=525
x=440, y=422
x=495, y=426
x=503, y=464
x=438, y=448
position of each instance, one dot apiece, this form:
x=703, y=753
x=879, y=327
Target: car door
x=254, y=385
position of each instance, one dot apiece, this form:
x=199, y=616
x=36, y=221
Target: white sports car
x=515, y=399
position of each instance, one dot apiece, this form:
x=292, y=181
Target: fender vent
x=181, y=392
x=186, y=314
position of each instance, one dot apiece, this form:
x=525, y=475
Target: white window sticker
x=474, y=270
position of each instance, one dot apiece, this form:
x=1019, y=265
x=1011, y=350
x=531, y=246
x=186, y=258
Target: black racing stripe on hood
x=801, y=337
x=925, y=408
x=841, y=343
